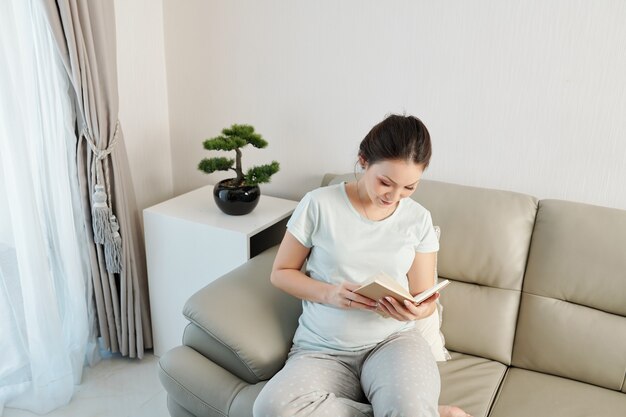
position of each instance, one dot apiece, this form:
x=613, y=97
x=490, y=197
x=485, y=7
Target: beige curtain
x=85, y=35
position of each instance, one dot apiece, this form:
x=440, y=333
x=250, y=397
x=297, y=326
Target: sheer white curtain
x=45, y=317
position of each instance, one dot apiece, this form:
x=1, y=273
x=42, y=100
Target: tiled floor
x=115, y=387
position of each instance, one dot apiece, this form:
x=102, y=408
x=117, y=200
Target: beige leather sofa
x=535, y=318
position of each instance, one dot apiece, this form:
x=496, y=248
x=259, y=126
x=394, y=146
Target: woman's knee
x=266, y=409
x=269, y=405
x=275, y=400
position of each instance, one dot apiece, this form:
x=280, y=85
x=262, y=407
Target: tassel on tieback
x=99, y=215
x=113, y=248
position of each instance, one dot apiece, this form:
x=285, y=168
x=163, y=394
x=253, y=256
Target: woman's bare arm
x=287, y=275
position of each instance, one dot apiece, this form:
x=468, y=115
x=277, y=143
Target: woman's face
x=388, y=181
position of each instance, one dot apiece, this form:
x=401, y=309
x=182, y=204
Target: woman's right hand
x=343, y=296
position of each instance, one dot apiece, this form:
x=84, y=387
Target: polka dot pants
x=396, y=378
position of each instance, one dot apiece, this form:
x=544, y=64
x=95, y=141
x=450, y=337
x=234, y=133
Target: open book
x=382, y=285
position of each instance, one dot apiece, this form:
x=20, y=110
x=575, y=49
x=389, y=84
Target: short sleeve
x=303, y=221
x=427, y=241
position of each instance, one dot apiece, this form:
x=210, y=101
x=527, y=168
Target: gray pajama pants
x=398, y=377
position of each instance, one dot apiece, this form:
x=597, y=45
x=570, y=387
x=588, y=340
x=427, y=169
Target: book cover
x=382, y=285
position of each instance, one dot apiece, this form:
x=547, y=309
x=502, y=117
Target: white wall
x=522, y=95
x=143, y=98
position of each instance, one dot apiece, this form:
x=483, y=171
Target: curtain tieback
x=104, y=222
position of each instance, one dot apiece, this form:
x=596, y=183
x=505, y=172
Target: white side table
x=190, y=242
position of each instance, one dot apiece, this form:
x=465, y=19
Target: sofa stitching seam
x=182, y=387
x=571, y=302
x=515, y=290
x=235, y=395
x=496, y=393
x=226, y=346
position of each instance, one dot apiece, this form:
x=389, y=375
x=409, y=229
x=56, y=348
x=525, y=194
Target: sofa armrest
x=248, y=323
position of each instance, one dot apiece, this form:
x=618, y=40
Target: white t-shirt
x=346, y=246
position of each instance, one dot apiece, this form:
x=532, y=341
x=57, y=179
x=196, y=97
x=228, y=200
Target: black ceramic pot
x=236, y=201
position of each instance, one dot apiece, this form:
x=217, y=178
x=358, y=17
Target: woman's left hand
x=408, y=311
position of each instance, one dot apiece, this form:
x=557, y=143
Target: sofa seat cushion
x=470, y=382
x=527, y=393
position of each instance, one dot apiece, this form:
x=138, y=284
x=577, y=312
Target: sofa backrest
x=485, y=237
x=572, y=319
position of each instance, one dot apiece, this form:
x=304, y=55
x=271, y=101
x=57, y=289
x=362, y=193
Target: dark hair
x=397, y=137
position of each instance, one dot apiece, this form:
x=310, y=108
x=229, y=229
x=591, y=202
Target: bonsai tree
x=235, y=138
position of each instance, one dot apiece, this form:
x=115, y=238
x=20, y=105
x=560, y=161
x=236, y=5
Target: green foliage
x=234, y=138
x=210, y=165
x=261, y=174
x=224, y=143
x=246, y=133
